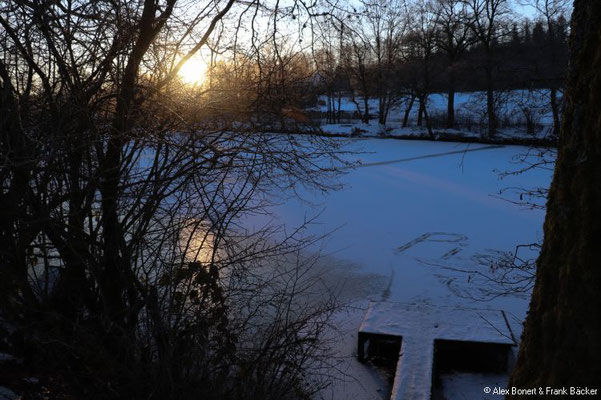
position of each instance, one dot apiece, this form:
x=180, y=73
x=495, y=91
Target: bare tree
x=550, y=11
x=421, y=48
x=124, y=266
x=358, y=62
x=454, y=38
x=386, y=23
x=486, y=17
x=330, y=71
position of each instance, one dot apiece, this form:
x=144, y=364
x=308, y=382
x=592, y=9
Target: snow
x=352, y=379
x=470, y=111
x=436, y=101
x=401, y=212
x=410, y=207
x=7, y=394
x=428, y=322
x=470, y=386
x=413, y=377
x=420, y=325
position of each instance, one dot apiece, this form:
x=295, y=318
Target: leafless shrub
x=125, y=265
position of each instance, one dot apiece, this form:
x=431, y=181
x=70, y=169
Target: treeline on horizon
x=529, y=57
x=394, y=53
x=400, y=52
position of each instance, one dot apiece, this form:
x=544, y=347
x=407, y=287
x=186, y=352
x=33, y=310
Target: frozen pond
x=413, y=208
x=396, y=219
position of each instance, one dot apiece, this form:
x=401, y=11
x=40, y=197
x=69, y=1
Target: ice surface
x=470, y=386
x=398, y=219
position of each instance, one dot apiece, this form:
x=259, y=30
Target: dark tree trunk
x=451, y=103
x=366, y=113
x=490, y=96
x=555, y=111
x=382, y=112
x=13, y=142
x=420, y=113
x=451, y=92
x=561, y=344
x=408, y=111
x=331, y=108
x=427, y=118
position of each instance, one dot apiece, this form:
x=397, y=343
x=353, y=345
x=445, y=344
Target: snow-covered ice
x=401, y=212
x=470, y=386
x=412, y=206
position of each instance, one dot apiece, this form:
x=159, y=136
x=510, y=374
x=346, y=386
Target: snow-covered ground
x=420, y=326
x=513, y=107
x=412, y=208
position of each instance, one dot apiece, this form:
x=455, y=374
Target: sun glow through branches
x=193, y=72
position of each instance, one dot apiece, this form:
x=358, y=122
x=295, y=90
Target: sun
x=193, y=72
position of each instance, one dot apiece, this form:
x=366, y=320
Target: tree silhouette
x=560, y=344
